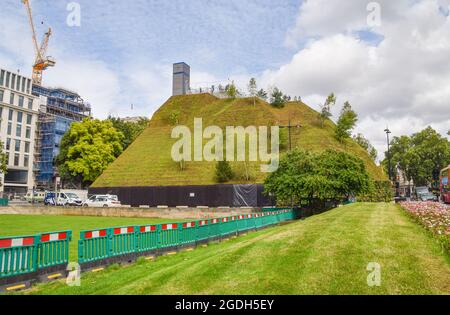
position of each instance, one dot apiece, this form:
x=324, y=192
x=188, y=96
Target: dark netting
x=192, y=196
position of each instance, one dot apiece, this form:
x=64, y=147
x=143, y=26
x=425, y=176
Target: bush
x=380, y=191
x=224, y=173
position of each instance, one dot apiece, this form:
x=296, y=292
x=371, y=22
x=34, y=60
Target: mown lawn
x=325, y=254
x=18, y=225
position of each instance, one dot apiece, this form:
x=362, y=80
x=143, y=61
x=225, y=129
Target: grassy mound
x=148, y=162
x=324, y=254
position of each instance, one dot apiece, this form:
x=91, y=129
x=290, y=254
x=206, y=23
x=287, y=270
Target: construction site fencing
x=22, y=255
x=101, y=245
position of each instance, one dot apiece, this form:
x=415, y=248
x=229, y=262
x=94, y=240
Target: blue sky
x=393, y=74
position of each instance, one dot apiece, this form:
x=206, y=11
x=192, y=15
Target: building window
x=7, y=79
x=2, y=77
x=1, y=95
x=7, y=158
x=10, y=115
x=13, y=80
x=27, y=147
x=8, y=143
x=19, y=130
x=28, y=86
x=21, y=99
x=9, y=128
x=23, y=84
x=18, y=83
x=28, y=133
x=11, y=99
x=30, y=103
x=19, y=117
x=26, y=161
x=16, y=159
x=17, y=148
x=29, y=117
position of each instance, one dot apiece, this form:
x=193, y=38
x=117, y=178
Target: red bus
x=444, y=185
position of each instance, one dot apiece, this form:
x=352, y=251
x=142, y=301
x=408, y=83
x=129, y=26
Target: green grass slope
x=324, y=254
x=148, y=162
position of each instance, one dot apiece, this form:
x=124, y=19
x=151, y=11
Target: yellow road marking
x=16, y=287
x=56, y=275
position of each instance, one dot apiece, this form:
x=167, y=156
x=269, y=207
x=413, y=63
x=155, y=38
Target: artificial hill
x=148, y=161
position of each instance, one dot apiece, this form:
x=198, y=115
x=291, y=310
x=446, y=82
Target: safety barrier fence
x=101, y=245
x=27, y=257
x=28, y=254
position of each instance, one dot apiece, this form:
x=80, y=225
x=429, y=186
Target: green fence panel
x=93, y=245
x=53, y=249
x=227, y=226
x=188, y=231
x=169, y=235
x=203, y=230
x=258, y=220
x=214, y=228
x=4, y=202
x=147, y=238
x=123, y=240
x=250, y=221
x=18, y=255
x=242, y=223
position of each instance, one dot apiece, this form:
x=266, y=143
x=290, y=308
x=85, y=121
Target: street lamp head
x=387, y=131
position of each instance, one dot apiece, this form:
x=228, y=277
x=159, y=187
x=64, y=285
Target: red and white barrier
x=188, y=225
x=225, y=220
x=124, y=230
x=170, y=226
x=214, y=221
x=95, y=234
x=61, y=236
x=201, y=223
x=16, y=242
x=149, y=228
x=241, y=217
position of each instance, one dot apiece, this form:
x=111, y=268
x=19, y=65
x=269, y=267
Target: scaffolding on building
x=61, y=109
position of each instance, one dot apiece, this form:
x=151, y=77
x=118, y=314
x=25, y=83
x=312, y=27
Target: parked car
x=423, y=194
x=102, y=201
x=62, y=199
x=38, y=196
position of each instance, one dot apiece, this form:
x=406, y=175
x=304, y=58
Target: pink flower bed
x=432, y=215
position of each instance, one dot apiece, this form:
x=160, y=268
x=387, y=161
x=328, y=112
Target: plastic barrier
x=27, y=254
x=112, y=242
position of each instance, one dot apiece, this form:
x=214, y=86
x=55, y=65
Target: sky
x=389, y=59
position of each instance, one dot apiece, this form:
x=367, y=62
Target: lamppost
x=388, y=132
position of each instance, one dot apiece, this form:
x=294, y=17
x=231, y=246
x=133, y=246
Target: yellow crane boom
x=41, y=62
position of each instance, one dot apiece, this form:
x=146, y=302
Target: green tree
x=277, y=98
x=130, y=130
x=262, y=94
x=325, y=109
x=87, y=149
x=232, y=90
x=346, y=122
x=366, y=145
x=3, y=161
x=329, y=175
x=419, y=156
x=252, y=89
x=224, y=173
x=174, y=117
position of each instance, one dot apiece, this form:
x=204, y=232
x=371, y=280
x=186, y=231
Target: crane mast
x=41, y=62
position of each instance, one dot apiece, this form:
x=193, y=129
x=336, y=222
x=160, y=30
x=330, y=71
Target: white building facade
x=19, y=114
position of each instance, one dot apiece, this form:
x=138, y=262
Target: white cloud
x=402, y=82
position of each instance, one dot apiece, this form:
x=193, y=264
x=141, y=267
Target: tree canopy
x=131, y=130
x=3, y=161
x=325, y=109
x=87, y=149
x=346, y=122
x=328, y=175
x=419, y=156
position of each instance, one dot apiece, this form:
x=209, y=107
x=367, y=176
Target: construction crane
x=41, y=62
